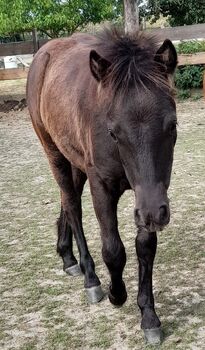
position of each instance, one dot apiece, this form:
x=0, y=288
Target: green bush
x=192, y=46
x=183, y=94
x=189, y=77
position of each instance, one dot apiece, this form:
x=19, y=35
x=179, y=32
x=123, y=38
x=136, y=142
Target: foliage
x=10, y=38
x=180, y=12
x=54, y=17
x=188, y=77
x=183, y=94
x=192, y=46
x=58, y=17
x=196, y=97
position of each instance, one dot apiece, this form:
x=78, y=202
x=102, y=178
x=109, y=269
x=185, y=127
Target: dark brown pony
x=103, y=109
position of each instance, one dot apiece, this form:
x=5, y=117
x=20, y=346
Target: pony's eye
x=112, y=135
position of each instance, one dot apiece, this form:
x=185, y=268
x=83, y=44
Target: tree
x=54, y=17
x=179, y=12
x=131, y=16
x=134, y=12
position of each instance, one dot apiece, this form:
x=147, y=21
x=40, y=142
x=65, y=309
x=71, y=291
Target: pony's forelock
x=132, y=60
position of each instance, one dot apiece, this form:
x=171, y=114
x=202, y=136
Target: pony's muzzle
x=151, y=207
x=153, y=219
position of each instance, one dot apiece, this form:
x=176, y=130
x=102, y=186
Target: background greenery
x=189, y=77
x=179, y=12
x=54, y=18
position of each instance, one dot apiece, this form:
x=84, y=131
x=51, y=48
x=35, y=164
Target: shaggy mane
x=132, y=60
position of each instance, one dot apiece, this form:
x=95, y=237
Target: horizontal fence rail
x=188, y=32
x=183, y=60
x=191, y=59
x=20, y=48
x=13, y=73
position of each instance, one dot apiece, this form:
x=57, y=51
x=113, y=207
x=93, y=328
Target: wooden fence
x=188, y=32
x=20, y=48
x=194, y=31
x=190, y=59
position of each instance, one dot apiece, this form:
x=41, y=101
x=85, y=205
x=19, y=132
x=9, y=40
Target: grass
x=41, y=307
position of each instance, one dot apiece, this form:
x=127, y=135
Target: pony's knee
x=114, y=255
x=146, y=243
x=143, y=237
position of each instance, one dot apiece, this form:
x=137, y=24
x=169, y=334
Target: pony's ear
x=167, y=56
x=98, y=65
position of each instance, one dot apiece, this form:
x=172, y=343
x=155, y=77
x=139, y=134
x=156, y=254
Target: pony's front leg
x=146, y=244
x=105, y=204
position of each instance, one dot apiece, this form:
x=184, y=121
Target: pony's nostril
x=163, y=213
x=139, y=217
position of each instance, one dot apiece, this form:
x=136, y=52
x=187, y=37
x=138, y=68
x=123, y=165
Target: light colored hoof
x=74, y=270
x=94, y=294
x=153, y=336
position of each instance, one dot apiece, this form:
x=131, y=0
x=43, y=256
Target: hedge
x=189, y=77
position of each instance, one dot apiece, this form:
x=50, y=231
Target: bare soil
x=12, y=95
x=41, y=307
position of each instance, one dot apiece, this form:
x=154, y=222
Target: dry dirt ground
x=41, y=307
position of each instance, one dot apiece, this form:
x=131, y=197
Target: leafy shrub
x=183, y=94
x=196, y=97
x=192, y=46
x=188, y=77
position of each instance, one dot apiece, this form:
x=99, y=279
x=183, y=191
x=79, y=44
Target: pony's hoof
x=94, y=294
x=118, y=299
x=74, y=270
x=153, y=336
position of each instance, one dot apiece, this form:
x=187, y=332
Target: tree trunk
x=35, y=40
x=131, y=16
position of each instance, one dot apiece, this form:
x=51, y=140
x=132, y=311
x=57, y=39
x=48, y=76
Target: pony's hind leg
x=65, y=234
x=65, y=246
x=71, y=185
x=71, y=182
